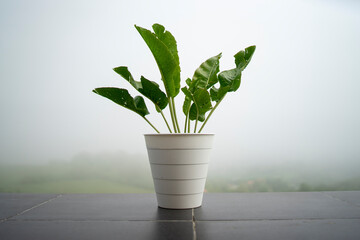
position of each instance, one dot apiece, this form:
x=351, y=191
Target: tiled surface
x=110, y=207
x=97, y=230
x=335, y=229
x=318, y=215
x=259, y=206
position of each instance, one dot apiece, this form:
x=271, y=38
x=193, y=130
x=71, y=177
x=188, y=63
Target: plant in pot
x=178, y=159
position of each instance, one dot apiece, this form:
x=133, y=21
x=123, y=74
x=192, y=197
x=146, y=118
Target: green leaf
x=124, y=72
x=187, y=101
x=205, y=75
x=188, y=81
x=217, y=94
x=243, y=58
x=202, y=101
x=193, y=114
x=158, y=29
x=123, y=98
x=168, y=39
x=186, y=105
x=149, y=89
x=152, y=91
x=140, y=104
x=166, y=61
x=231, y=78
x=187, y=93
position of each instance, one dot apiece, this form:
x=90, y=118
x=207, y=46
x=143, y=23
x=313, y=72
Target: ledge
x=298, y=215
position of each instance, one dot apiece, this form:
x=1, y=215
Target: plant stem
x=185, y=124
x=187, y=121
x=172, y=114
x=211, y=112
x=196, y=122
x=189, y=125
x=151, y=125
x=167, y=124
x=174, y=109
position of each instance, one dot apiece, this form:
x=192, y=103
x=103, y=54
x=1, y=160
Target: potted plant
x=178, y=159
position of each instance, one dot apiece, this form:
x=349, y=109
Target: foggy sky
x=298, y=100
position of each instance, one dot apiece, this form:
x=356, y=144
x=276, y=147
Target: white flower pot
x=179, y=165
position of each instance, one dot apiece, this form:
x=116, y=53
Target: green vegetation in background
x=278, y=185
x=122, y=173
x=102, y=173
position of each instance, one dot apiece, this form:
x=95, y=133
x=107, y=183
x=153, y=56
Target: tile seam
x=193, y=223
x=31, y=208
x=283, y=219
x=96, y=220
x=339, y=199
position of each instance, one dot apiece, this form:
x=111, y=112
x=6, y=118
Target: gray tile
x=14, y=203
x=280, y=229
x=351, y=197
x=242, y=206
x=105, y=207
x=45, y=230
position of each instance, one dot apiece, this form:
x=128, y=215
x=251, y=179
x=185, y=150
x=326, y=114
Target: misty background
x=293, y=125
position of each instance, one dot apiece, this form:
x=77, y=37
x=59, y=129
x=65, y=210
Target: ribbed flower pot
x=179, y=166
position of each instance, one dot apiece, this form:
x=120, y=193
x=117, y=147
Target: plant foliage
x=203, y=92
